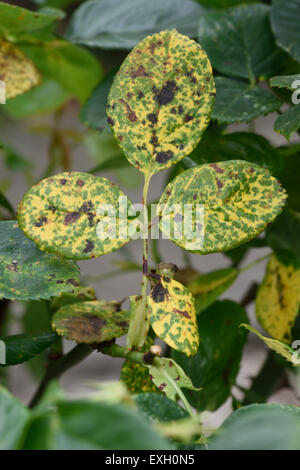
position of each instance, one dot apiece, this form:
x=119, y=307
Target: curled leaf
x=91, y=322
x=61, y=215
x=160, y=102
x=171, y=312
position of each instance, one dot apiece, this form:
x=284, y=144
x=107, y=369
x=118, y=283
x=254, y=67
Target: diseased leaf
x=278, y=299
x=169, y=95
x=279, y=347
x=239, y=41
x=168, y=376
x=16, y=71
x=216, y=364
x=239, y=199
x=285, y=18
x=43, y=98
x=80, y=294
x=157, y=407
x=14, y=417
x=65, y=214
x=121, y=25
x=91, y=322
x=286, y=81
x=136, y=378
x=172, y=315
x=208, y=287
x=288, y=122
x=26, y=273
x=75, y=68
x=239, y=102
x=259, y=427
x=21, y=348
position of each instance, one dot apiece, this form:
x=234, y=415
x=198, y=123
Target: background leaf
x=169, y=95
x=21, y=348
x=28, y=273
x=158, y=407
x=121, y=25
x=288, y=122
x=285, y=17
x=14, y=417
x=239, y=102
x=217, y=362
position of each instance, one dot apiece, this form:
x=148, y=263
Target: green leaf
x=15, y=20
x=164, y=113
x=239, y=41
x=168, y=376
x=288, y=122
x=259, y=427
x=28, y=273
x=217, y=361
x=278, y=299
x=158, y=407
x=75, y=426
x=290, y=176
x=17, y=71
x=63, y=215
x=279, y=347
x=239, y=199
x=208, y=287
x=215, y=147
x=239, y=102
x=224, y=3
x=4, y=202
x=93, y=113
x=120, y=25
x=285, y=81
x=14, y=417
x=75, y=68
x=283, y=236
x=41, y=99
x=172, y=315
x=21, y=348
x=91, y=322
x=285, y=18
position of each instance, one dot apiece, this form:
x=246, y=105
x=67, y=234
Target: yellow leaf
x=16, y=71
x=278, y=299
x=172, y=315
x=161, y=100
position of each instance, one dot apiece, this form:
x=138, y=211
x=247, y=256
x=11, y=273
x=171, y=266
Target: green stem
x=254, y=263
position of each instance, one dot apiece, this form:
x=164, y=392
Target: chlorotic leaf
x=26, y=273
x=279, y=347
x=239, y=102
x=206, y=288
x=238, y=200
x=285, y=17
x=288, y=122
x=239, y=41
x=21, y=348
x=169, y=96
x=278, y=299
x=14, y=417
x=61, y=215
x=217, y=362
x=16, y=71
x=136, y=378
x=168, y=376
x=172, y=315
x=91, y=322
